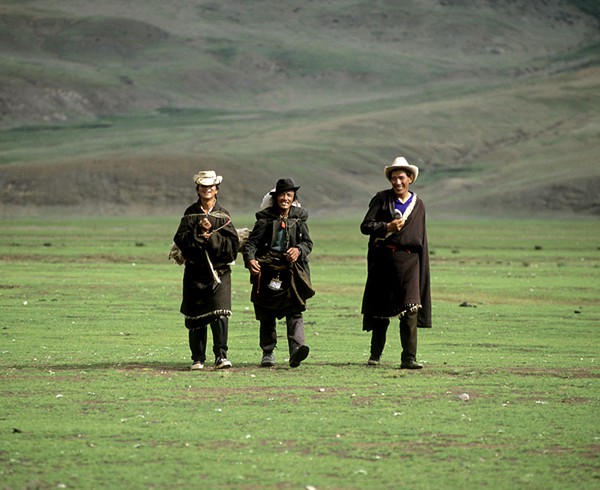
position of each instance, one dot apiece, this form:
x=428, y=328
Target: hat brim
x=279, y=191
x=207, y=182
x=412, y=169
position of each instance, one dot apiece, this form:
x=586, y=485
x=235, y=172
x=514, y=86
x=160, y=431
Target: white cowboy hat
x=208, y=178
x=399, y=164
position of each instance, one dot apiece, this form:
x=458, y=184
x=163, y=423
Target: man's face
x=207, y=192
x=401, y=181
x=285, y=199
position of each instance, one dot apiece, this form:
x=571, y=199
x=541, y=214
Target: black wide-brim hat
x=284, y=185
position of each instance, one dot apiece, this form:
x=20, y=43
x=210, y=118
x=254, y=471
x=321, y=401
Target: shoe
x=298, y=355
x=412, y=364
x=197, y=365
x=373, y=361
x=268, y=359
x=222, y=363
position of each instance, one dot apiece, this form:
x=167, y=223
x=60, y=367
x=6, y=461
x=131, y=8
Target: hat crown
x=207, y=177
x=400, y=163
x=286, y=184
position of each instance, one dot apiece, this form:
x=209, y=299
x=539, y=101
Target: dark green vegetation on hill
x=110, y=107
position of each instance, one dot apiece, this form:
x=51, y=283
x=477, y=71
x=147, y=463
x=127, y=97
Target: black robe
x=204, y=297
x=296, y=286
x=397, y=265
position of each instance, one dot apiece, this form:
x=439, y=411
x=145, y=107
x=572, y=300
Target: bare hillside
x=111, y=109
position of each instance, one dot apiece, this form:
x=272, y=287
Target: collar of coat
x=296, y=214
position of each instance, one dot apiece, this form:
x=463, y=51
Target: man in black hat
x=276, y=253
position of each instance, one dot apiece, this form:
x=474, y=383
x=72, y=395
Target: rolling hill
x=110, y=107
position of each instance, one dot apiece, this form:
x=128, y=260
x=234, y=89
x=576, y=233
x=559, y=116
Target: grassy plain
x=96, y=391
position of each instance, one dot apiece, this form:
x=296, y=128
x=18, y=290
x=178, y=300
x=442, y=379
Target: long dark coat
x=258, y=246
x=397, y=265
x=204, y=297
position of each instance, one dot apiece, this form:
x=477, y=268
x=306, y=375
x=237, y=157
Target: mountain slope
x=112, y=109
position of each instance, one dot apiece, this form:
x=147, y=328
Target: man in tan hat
x=209, y=243
x=398, y=264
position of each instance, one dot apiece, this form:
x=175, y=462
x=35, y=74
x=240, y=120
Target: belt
x=395, y=248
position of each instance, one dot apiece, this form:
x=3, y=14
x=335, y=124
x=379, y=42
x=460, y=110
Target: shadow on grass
x=159, y=366
x=312, y=367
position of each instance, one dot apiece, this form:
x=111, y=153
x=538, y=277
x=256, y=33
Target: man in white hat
x=398, y=264
x=209, y=243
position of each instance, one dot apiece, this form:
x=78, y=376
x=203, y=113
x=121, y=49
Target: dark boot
x=408, y=339
x=295, y=334
x=220, y=333
x=378, y=339
x=268, y=333
x=197, y=339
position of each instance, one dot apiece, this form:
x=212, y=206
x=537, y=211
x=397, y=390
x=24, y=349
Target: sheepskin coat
x=207, y=275
x=397, y=263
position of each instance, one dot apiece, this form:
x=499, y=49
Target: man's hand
x=292, y=254
x=254, y=267
x=205, y=228
x=396, y=225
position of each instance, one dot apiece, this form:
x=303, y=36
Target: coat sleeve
x=222, y=246
x=303, y=240
x=373, y=223
x=191, y=247
x=257, y=235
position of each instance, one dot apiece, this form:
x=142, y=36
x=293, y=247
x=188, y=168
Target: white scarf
x=406, y=214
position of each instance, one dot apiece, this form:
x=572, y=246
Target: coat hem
x=215, y=314
x=407, y=309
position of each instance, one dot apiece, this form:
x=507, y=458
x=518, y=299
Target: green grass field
x=96, y=390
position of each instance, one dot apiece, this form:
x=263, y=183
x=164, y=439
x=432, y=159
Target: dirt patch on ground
x=556, y=373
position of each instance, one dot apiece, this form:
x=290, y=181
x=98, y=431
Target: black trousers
x=198, y=337
x=408, y=336
x=268, y=331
